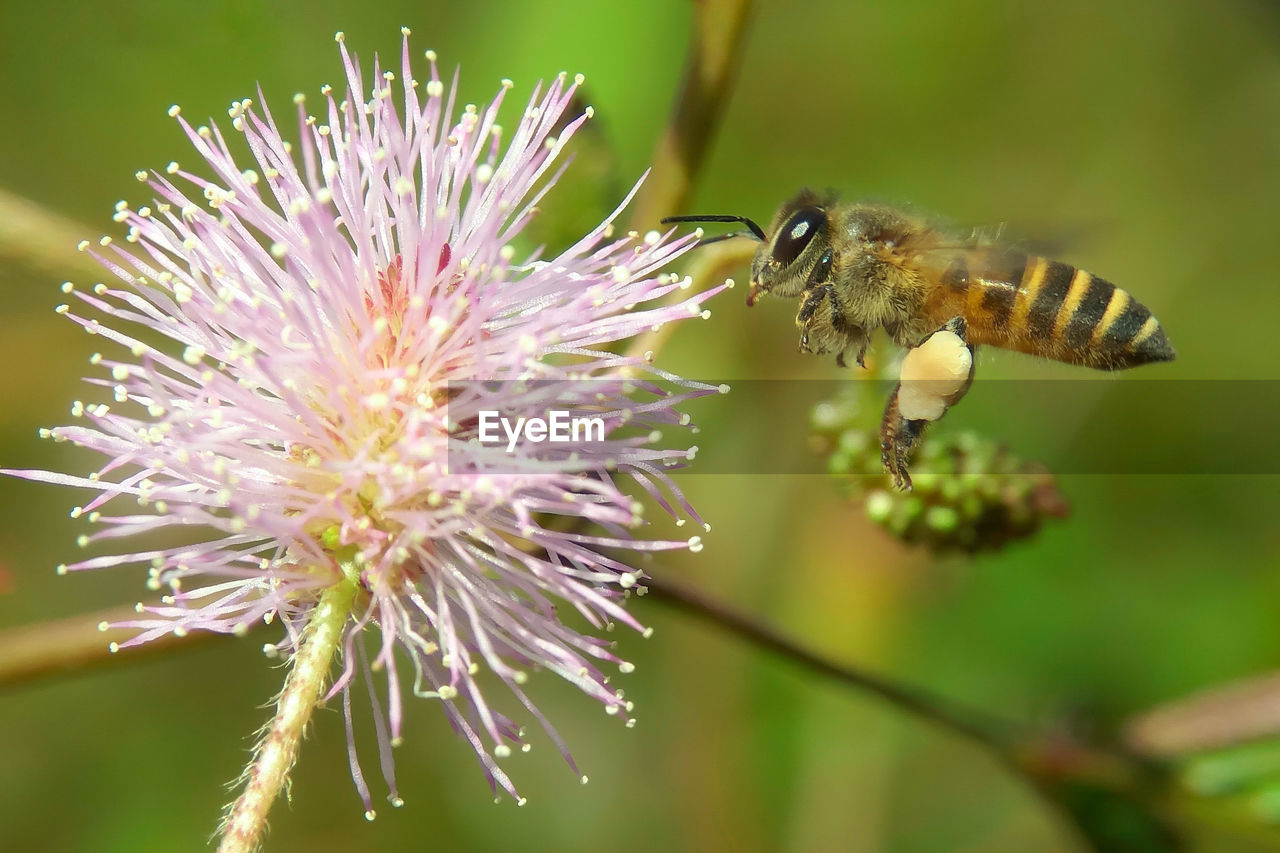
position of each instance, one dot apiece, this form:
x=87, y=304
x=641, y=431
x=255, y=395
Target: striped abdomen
x=1047, y=308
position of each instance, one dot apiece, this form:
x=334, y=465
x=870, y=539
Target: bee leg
x=857, y=338
x=861, y=339
x=935, y=375
x=821, y=321
x=817, y=307
x=898, y=437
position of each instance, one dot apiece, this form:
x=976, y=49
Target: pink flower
x=316, y=410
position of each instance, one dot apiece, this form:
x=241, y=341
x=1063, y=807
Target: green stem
x=1062, y=771
x=34, y=237
x=714, y=50
x=267, y=775
x=998, y=735
x=76, y=644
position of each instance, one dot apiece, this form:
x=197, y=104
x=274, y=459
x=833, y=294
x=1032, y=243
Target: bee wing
x=957, y=263
x=987, y=235
x=1053, y=241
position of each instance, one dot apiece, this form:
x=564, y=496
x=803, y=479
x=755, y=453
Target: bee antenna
x=756, y=230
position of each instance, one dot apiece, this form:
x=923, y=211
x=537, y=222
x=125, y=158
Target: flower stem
x=43, y=242
x=715, y=48
x=997, y=734
x=75, y=644
x=273, y=758
x=715, y=51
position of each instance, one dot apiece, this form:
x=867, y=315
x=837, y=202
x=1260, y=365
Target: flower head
x=296, y=343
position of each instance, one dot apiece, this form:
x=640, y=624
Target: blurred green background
x=1152, y=128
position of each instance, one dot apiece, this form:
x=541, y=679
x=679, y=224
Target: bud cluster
x=970, y=494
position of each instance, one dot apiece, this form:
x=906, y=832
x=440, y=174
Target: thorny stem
x=267, y=775
x=1036, y=756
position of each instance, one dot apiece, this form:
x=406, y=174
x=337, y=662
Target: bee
x=857, y=268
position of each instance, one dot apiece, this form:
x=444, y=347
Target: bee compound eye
x=797, y=232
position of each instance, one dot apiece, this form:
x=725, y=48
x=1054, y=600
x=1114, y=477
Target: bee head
x=781, y=266
x=782, y=263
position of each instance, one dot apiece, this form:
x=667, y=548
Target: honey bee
x=861, y=267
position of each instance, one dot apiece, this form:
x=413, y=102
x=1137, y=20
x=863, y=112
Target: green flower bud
x=970, y=494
